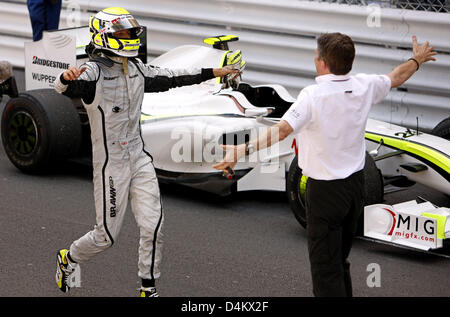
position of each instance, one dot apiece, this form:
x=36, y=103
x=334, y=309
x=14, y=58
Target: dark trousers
x=44, y=15
x=332, y=212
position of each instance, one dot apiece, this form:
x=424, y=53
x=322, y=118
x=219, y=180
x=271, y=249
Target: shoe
x=148, y=292
x=67, y=275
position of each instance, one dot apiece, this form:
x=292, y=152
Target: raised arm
x=297, y=116
x=274, y=134
x=78, y=82
x=421, y=54
x=163, y=79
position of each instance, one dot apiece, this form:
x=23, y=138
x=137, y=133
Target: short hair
x=338, y=52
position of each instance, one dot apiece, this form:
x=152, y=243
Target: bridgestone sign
x=50, y=63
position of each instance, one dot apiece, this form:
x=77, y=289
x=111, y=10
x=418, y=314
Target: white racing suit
x=123, y=169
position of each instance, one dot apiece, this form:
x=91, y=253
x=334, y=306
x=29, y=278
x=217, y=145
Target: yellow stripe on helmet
x=115, y=11
x=98, y=39
x=96, y=24
x=112, y=43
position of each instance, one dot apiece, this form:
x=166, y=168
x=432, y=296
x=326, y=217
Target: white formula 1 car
x=184, y=128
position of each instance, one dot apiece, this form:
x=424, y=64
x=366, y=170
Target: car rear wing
x=220, y=42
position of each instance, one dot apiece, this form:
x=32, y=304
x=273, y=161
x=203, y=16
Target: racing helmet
x=103, y=27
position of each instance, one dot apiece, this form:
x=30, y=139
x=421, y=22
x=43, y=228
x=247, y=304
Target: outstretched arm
x=297, y=116
x=163, y=79
x=221, y=72
x=421, y=54
x=271, y=136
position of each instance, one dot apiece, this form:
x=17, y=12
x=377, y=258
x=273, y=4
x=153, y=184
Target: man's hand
x=422, y=53
x=232, y=154
x=221, y=72
x=73, y=73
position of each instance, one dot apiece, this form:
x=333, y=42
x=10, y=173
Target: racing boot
x=148, y=292
x=67, y=273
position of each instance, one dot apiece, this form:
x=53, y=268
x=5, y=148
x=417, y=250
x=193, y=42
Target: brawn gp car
x=183, y=129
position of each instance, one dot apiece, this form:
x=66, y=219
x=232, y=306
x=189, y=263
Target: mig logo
x=411, y=223
x=410, y=227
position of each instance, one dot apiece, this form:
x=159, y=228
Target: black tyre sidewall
x=442, y=129
x=58, y=128
x=298, y=207
x=64, y=123
x=373, y=189
x=40, y=156
x=373, y=182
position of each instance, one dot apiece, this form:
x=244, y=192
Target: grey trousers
x=116, y=183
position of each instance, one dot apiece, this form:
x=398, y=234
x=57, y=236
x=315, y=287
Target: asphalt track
x=248, y=245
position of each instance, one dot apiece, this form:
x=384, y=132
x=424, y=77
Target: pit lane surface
x=246, y=245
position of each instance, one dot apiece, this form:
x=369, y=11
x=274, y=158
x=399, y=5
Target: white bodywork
x=421, y=226
x=184, y=125
x=193, y=119
x=426, y=149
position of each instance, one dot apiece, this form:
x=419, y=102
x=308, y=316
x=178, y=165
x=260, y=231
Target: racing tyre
x=296, y=187
x=373, y=186
x=40, y=127
x=296, y=191
x=442, y=129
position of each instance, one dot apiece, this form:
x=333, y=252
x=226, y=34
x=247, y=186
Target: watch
x=249, y=149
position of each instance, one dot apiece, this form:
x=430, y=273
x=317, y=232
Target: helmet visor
x=125, y=23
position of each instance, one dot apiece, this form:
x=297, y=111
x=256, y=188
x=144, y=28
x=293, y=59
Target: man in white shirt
x=330, y=119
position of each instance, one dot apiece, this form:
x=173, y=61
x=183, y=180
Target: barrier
x=278, y=42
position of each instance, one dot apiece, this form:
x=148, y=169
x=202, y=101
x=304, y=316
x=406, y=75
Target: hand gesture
x=73, y=73
x=232, y=154
x=221, y=72
x=422, y=53
x=235, y=65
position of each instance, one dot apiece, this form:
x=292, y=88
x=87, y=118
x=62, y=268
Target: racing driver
x=111, y=86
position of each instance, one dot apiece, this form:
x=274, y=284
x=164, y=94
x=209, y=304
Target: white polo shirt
x=330, y=118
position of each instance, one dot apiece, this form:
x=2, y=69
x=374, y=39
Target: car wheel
x=296, y=191
x=296, y=188
x=39, y=127
x=374, y=187
x=442, y=129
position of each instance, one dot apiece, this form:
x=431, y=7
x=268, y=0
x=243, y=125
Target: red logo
x=393, y=221
x=116, y=20
x=294, y=146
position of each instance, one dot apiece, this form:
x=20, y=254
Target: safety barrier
x=278, y=40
